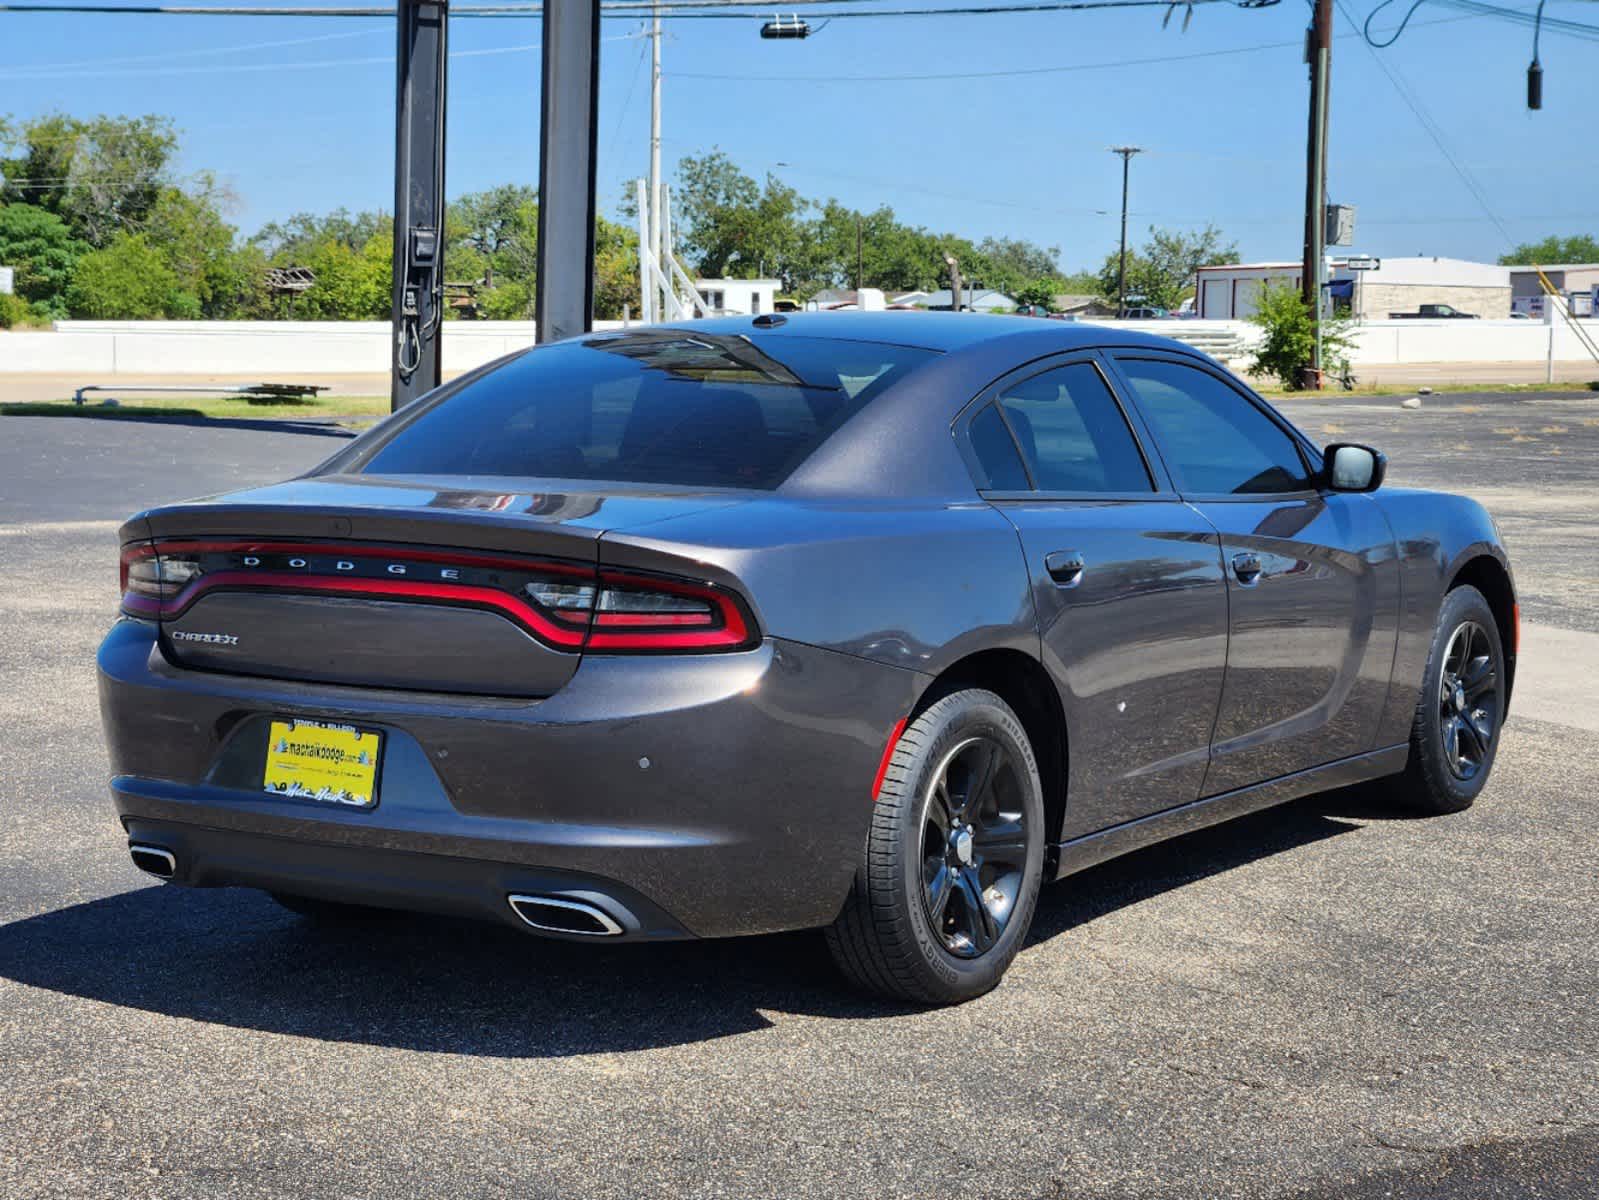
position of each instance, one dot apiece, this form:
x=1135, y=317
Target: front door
x=1127, y=585
x=1312, y=582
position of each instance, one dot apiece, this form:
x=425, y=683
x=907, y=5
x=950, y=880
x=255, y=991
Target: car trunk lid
x=445, y=586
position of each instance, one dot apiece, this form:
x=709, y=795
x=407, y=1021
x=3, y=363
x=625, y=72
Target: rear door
x=1311, y=577
x=1127, y=584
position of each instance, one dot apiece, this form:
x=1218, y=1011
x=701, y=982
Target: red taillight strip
x=888, y=754
x=463, y=595
x=725, y=627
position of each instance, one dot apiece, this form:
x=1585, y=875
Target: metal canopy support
x=418, y=197
x=569, y=115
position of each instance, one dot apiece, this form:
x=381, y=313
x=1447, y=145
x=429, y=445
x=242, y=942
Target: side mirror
x=1352, y=468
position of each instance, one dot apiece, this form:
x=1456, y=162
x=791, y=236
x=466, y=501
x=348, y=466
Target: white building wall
x=751, y=296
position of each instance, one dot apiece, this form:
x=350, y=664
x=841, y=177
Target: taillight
x=564, y=605
x=642, y=612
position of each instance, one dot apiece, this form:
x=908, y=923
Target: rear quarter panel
x=1435, y=535
x=913, y=585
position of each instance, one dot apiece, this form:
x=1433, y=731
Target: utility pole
x=860, y=261
x=569, y=116
x=1127, y=153
x=1318, y=54
x=654, y=193
x=418, y=296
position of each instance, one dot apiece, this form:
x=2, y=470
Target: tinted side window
x=1214, y=440
x=996, y=452
x=1072, y=433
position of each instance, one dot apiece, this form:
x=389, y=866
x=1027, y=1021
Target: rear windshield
x=656, y=406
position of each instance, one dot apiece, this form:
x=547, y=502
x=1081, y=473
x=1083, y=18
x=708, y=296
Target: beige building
x=1394, y=285
x=1403, y=285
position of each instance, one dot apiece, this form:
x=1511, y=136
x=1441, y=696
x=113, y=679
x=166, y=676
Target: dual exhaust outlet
x=549, y=914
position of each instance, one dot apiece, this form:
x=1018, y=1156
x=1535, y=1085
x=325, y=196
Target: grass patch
x=254, y=408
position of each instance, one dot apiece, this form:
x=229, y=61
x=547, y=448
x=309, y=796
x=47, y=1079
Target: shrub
x=129, y=280
x=1290, y=340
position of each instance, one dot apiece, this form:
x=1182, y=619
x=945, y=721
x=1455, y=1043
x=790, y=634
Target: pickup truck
x=1434, y=312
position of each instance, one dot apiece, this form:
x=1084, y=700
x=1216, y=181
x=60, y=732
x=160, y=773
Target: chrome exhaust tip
x=153, y=860
x=559, y=914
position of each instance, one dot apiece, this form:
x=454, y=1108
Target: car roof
x=942, y=331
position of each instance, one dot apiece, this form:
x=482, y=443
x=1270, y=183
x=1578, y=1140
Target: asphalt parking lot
x=1326, y=1000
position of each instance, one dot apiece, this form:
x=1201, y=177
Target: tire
x=328, y=911
x=913, y=927
x=1452, y=747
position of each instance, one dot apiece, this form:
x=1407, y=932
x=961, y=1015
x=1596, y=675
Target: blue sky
x=306, y=123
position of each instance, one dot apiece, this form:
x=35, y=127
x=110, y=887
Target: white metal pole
x=664, y=255
x=646, y=257
x=655, y=142
x=1549, y=314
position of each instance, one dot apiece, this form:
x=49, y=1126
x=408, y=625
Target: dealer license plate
x=322, y=761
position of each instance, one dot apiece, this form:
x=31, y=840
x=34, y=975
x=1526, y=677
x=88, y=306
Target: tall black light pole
x=1127, y=153
x=418, y=296
x=569, y=115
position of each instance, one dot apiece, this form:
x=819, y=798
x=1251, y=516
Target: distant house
x=979, y=299
x=844, y=299
x=748, y=297
x=1079, y=305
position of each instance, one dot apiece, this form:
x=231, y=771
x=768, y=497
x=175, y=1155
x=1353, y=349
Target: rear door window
x=1072, y=433
x=657, y=406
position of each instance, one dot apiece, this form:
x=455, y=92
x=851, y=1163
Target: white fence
x=267, y=348
x=243, y=347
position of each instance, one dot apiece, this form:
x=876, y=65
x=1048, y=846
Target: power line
x=1430, y=127
x=735, y=10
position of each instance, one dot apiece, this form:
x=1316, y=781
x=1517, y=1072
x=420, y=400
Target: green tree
x=128, y=279
x=1010, y=264
x=102, y=176
x=1039, y=291
x=43, y=251
x=288, y=241
x=615, y=269
x=1579, y=248
x=730, y=226
x=493, y=236
x=1162, y=272
x=198, y=244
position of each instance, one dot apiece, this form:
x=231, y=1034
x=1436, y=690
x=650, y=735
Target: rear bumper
x=700, y=795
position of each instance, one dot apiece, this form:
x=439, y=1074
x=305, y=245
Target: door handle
x=1065, y=567
x=1246, y=567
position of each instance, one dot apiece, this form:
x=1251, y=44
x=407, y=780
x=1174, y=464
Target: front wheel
x=944, y=896
x=1455, y=735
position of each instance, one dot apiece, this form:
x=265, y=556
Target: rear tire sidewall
x=952, y=720
x=1441, y=789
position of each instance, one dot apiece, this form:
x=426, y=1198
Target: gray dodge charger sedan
x=868, y=622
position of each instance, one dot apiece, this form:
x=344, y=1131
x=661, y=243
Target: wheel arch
x=1022, y=682
x=1489, y=576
